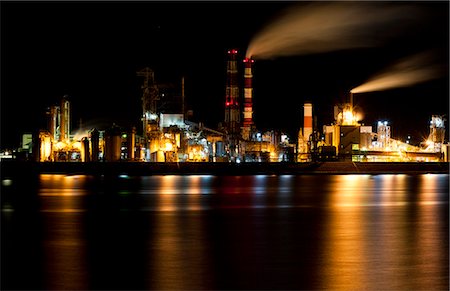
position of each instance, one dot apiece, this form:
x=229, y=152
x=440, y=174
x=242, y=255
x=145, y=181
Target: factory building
x=168, y=136
x=353, y=141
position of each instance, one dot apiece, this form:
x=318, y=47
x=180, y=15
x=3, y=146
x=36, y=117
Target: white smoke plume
x=326, y=27
x=412, y=70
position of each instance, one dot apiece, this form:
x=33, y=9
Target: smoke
x=409, y=71
x=326, y=27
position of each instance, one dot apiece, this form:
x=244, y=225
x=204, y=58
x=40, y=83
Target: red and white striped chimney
x=307, y=121
x=248, y=96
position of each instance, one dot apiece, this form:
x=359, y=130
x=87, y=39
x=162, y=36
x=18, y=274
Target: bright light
x=60, y=145
x=169, y=147
x=77, y=145
x=7, y=182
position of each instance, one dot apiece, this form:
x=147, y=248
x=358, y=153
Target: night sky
x=91, y=52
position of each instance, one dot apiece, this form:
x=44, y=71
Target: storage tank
x=131, y=143
x=85, y=152
x=113, y=143
x=95, y=137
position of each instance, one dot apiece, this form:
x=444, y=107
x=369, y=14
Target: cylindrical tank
x=113, y=143
x=138, y=152
x=131, y=143
x=85, y=152
x=94, y=144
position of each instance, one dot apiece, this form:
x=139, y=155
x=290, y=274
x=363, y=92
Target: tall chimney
x=307, y=120
x=232, y=115
x=248, y=96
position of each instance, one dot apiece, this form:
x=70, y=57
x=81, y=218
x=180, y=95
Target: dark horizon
x=91, y=52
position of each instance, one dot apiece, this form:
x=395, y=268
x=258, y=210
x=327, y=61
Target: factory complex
x=169, y=135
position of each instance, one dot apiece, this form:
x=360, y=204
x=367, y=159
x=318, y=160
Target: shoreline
x=14, y=168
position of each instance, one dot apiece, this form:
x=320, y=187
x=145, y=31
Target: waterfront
x=332, y=232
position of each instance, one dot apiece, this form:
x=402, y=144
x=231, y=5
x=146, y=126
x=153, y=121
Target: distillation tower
x=150, y=124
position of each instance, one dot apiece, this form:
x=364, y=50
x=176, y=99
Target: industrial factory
x=172, y=137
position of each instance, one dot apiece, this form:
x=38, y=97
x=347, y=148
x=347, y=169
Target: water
x=328, y=232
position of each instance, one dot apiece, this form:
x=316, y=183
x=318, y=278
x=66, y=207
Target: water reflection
x=383, y=236
x=64, y=244
x=333, y=232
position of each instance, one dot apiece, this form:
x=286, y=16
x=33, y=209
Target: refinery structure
x=172, y=137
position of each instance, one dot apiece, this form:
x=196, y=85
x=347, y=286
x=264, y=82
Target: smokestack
x=307, y=120
x=232, y=118
x=248, y=96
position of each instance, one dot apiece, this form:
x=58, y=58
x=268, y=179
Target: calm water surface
x=329, y=232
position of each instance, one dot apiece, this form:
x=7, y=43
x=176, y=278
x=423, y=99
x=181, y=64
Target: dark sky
x=91, y=51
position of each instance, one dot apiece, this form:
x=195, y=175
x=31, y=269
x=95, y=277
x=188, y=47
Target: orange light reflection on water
x=430, y=235
x=178, y=261
x=382, y=233
x=344, y=247
x=64, y=244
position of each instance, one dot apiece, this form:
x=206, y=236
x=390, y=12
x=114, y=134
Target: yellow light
x=77, y=145
x=169, y=147
x=60, y=145
x=348, y=115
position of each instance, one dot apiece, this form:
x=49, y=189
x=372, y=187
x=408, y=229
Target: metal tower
x=64, y=127
x=149, y=98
